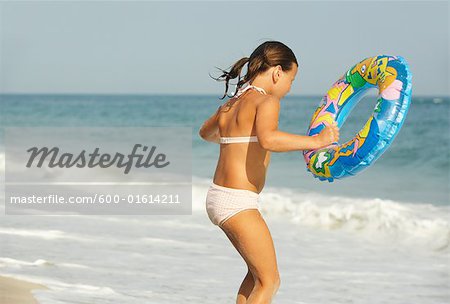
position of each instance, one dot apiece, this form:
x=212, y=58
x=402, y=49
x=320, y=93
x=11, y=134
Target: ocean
x=382, y=236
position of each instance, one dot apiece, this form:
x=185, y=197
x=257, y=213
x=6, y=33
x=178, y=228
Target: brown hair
x=269, y=54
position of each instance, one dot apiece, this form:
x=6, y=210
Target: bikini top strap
x=249, y=86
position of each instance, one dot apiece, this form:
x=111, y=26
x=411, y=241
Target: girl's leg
x=245, y=289
x=247, y=284
x=250, y=235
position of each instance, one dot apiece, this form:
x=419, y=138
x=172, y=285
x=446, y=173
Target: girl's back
x=245, y=163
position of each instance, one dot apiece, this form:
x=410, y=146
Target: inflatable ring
x=392, y=77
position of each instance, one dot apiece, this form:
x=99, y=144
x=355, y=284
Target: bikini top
x=242, y=139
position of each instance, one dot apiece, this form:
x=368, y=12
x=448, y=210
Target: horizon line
x=176, y=94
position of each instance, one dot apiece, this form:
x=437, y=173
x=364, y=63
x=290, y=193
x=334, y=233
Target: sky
x=151, y=47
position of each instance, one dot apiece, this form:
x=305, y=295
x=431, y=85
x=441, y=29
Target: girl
x=246, y=127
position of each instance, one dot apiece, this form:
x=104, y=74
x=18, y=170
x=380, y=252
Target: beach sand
x=14, y=291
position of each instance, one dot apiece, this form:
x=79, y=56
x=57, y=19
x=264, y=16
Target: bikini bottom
x=223, y=202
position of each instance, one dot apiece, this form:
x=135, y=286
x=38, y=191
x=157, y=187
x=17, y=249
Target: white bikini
x=224, y=202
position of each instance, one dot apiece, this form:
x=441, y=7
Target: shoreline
x=16, y=291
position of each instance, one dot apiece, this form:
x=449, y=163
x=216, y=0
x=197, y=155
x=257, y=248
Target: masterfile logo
x=116, y=170
x=91, y=160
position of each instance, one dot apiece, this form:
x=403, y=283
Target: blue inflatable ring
x=392, y=77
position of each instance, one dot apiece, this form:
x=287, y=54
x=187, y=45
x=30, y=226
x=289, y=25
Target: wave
x=426, y=224
x=8, y=262
x=14, y=263
x=47, y=234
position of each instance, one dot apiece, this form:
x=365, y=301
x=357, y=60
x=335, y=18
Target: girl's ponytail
x=233, y=73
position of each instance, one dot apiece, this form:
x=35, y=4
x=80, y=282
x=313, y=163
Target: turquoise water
x=415, y=167
x=371, y=238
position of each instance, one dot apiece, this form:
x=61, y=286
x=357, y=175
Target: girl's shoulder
x=268, y=99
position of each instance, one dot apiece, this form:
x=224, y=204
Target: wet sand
x=14, y=291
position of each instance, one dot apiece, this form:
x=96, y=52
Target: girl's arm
x=210, y=128
x=272, y=139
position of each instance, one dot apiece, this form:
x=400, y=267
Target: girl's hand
x=329, y=135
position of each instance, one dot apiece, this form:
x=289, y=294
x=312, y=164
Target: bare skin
x=244, y=166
